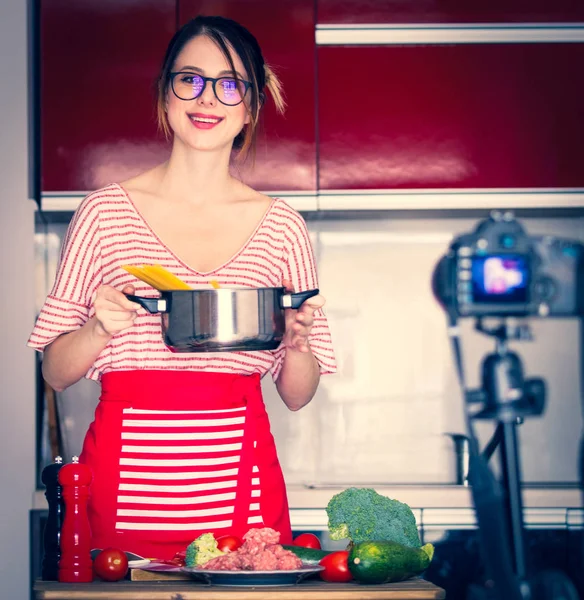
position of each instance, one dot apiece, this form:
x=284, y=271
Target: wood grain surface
x=413, y=589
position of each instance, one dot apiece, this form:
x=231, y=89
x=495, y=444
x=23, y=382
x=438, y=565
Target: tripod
x=506, y=397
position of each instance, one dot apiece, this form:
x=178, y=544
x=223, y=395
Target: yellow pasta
x=137, y=272
x=157, y=277
x=165, y=278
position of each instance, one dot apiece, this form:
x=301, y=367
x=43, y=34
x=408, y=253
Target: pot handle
x=296, y=299
x=152, y=305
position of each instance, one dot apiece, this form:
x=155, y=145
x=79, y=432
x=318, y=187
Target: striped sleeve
x=300, y=269
x=68, y=305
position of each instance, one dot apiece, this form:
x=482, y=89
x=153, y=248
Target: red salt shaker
x=75, y=565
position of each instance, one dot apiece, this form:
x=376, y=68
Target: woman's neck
x=198, y=177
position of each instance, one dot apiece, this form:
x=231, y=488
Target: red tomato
x=336, y=568
x=228, y=543
x=307, y=540
x=111, y=564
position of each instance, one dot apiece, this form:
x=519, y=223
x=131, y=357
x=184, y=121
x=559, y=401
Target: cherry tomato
x=228, y=543
x=307, y=540
x=336, y=568
x=111, y=564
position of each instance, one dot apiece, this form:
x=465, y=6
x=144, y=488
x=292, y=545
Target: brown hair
x=227, y=34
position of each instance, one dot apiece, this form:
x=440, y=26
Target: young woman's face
x=205, y=123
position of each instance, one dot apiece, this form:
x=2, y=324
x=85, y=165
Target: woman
x=181, y=443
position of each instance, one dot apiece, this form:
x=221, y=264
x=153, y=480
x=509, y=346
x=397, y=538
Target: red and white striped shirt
x=107, y=232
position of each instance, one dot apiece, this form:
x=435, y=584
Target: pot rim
x=225, y=289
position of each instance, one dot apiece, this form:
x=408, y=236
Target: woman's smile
x=203, y=121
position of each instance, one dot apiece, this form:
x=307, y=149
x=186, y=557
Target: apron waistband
x=177, y=390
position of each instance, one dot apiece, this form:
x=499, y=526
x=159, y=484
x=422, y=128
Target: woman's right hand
x=113, y=311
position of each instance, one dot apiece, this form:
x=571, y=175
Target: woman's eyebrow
x=229, y=72
x=221, y=73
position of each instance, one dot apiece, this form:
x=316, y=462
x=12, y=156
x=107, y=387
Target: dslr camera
x=498, y=270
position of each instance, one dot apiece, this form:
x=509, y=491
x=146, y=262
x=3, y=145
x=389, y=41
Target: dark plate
x=253, y=578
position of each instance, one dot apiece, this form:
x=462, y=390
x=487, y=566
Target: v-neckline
x=180, y=260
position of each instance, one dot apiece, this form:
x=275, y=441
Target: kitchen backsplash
x=383, y=418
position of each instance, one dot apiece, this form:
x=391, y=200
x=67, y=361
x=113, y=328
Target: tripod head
x=505, y=394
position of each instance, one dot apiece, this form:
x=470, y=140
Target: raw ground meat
x=260, y=552
x=256, y=540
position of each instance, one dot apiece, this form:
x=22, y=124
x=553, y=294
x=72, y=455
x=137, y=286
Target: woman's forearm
x=69, y=357
x=298, y=379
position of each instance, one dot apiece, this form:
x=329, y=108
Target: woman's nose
x=208, y=95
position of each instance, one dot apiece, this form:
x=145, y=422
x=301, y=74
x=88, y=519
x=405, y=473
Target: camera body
x=498, y=270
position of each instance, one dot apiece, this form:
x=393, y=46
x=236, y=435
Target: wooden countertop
x=413, y=589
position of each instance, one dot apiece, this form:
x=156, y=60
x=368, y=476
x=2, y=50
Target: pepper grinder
x=52, y=532
x=75, y=565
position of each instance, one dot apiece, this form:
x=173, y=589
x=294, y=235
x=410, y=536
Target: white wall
x=396, y=378
x=17, y=376
x=383, y=417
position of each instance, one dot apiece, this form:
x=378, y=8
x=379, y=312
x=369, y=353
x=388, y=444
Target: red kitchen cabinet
x=98, y=64
x=286, y=153
x=467, y=116
x=449, y=11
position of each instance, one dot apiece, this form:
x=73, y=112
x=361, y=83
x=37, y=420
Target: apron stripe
x=182, y=436
x=182, y=476
x=191, y=500
x=180, y=449
x=183, y=422
x=175, y=513
x=196, y=487
x=183, y=488
x=209, y=526
x=198, y=462
x=141, y=411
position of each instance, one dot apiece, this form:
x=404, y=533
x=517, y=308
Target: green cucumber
x=309, y=556
x=384, y=562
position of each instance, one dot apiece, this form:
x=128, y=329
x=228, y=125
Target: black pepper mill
x=52, y=533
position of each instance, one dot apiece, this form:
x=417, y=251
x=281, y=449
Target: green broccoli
x=202, y=550
x=362, y=515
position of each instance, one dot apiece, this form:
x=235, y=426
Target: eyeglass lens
x=189, y=86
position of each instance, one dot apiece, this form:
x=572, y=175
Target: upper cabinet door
x=449, y=11
x=448, y=116
x=286, y=155
x=98, y=65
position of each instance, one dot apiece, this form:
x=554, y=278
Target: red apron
x=176, y=454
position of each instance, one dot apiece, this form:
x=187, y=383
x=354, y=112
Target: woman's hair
x=228, y=35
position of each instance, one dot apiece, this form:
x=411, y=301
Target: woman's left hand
x=299, y=321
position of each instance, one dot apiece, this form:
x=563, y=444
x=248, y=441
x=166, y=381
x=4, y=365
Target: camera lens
x=507, y=241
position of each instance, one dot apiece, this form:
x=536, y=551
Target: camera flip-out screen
x=500, y=278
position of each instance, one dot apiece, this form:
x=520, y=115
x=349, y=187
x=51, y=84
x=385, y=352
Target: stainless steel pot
x=223, y=320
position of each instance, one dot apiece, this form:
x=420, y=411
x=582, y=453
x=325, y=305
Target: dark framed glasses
x=228, y=90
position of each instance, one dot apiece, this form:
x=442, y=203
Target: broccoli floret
x=361, y=515
x=202, y=550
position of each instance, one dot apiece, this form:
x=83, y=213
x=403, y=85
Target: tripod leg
x=493, y=443
x=511, y=483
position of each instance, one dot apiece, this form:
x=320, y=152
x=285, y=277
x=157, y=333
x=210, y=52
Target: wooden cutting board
x=413, y=589
x=142, y=575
